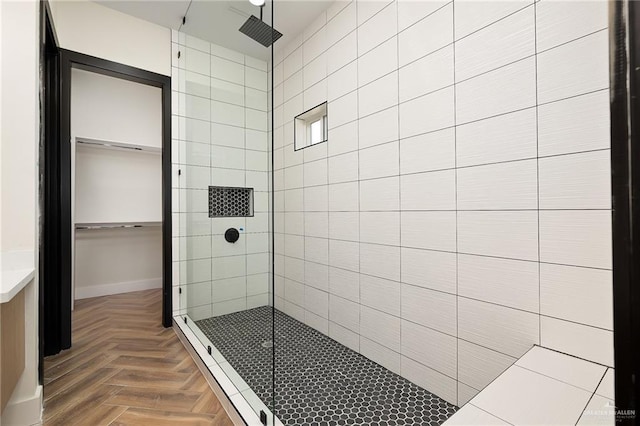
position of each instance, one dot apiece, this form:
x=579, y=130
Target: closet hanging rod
x=117, y=145
x=84, y=226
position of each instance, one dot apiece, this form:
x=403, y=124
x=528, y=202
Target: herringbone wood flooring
x=124, y=368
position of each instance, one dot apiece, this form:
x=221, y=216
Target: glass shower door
x=222, y=165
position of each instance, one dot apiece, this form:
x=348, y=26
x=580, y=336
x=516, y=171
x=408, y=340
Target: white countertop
x=18, y=270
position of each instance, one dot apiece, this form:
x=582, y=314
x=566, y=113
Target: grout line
x=358, y=118
x=591, y=397
x=455, y=188
x=397, y=36
x=535, y=37
x=482, y=409
x=555, y=378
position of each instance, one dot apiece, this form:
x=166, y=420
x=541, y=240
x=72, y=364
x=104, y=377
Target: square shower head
x=259, y=31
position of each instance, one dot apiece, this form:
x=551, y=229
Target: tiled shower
x=458, y=214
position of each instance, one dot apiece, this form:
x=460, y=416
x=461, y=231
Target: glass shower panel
x=223, y=244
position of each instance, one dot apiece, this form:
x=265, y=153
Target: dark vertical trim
x=273, y=232
x=48, y=189
x=167, y=222
x=625, y=180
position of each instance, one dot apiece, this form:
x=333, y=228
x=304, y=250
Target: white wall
x=460, y=211
x=114, y=185
x=220, y=138
x=95, y=30
x=117, y=261
x=116, y=110
x=19, y=140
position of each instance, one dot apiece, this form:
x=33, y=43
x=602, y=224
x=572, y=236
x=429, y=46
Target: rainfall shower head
x=260, y=32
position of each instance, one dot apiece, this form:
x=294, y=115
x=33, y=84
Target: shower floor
x=317, y=380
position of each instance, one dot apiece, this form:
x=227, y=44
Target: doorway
x=56, y=251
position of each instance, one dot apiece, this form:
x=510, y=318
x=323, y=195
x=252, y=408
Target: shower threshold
x=317, y=380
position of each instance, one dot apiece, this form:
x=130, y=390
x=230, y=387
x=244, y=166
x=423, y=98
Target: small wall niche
x=311, y=127
x=225, y=201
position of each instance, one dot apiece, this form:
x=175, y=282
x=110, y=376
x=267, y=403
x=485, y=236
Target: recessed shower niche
x=230, y=202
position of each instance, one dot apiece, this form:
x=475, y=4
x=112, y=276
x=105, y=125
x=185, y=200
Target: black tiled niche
x=225, y=201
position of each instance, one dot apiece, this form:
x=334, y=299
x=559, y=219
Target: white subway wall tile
x=506, y=41
x=430, y=151
x=344, y=312
x=344, y=225
x=344, y=254
x=506, y=137
x=434, y=230
x=426, y=36
x=427, y=74
x=560, y=22
x=379, y=28
x=343, y=139
x=512, y=283
x=341, y=24
x=503, y=90
x=412, y=11
x=342, y=52
x=430, y=348
x=429, y=269
x=343, y=168
x=428, y=191
x=380, y=294
x=580, y=238
x=380, y=228
x=345, y=283
x=379, y=194
x=581, y=295
x=343, y=81
x=509, y=331
x=508, y=234
x=557, y=68
x=471, y=16
x=378, y=95
x=380, y=354
x=380, y=327
x=505, y=186
x=377, y=128
x=576, y=181
x=343, y=197
x=593, y=344
x=379, y=161
x=425, y=377
x=378, y=62
x=575, y=124
x=427, y=113
x=430, y=308
x=478, y=366
x=316, y=275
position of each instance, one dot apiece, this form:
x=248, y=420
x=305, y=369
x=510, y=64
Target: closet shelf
x=116, y=225
x=120, y=146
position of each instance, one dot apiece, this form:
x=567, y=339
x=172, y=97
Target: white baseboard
x=116, y=288
x=25, y=412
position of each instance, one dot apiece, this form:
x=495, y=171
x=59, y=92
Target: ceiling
x=218, y=21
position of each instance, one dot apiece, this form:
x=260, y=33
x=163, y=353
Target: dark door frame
x=624, y=37
x=55, y=297
x=50, y=267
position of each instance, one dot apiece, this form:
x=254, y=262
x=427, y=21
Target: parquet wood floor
x=124, y=368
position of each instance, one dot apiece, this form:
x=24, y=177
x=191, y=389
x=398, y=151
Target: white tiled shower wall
x=460, y=211
x=219, y=138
